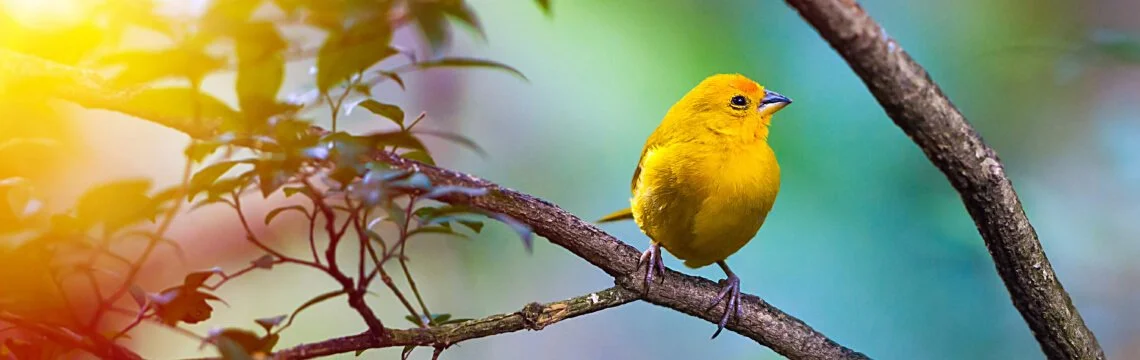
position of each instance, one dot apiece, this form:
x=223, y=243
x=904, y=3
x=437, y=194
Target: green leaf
x=205, y=178
x=398, y=139
x=177, y=107
x=455, y=138
x=476, y=226
x=196, y=279
x=237, y=343
x=404, y=354
x=269, y=342
x=544, y=5
x=187, y=61
x=392, y=112
x=273, y=213
x=138, y=295
x=353, y=50
x=270, y=323
x=316, y=300
x=271, y=175
x=460, y=11
x=419, y=155
x=440, y=318
x=358, y=352
x=228, y=16
x=469, y=62
x=264, y=262
x=436, y=230
x=199, y=150
x=293, y=190
x=429, y=17
x=394, y=77
x=261, y=69
x=523, y=230
x=231, y=349
x=414, y=320
x=116, y=204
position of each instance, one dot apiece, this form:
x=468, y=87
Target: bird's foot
x=651, y=259
x=730, y=292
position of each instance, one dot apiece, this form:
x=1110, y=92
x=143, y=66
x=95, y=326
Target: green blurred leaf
x=205, y=178
x=469, y=62
x=270, y=323
x=273, y=213
x=394, y=77
x=237, y=343
x=414, y=320
x=398, y=139
x=404, y=354
x=524, y=231
x=272, y=174
x=1119, y=46
x=293, y=190
x=197, y=279
x=176, y=107
x=392, y=112
x=315, y=300
x=188, y=61
x=455, y=138
x=436, y=230
x=264, y=262
x=544, y=5
x=224, y=16
x=352, y=50
x=116, y=204
x=230, y=349
x=261, y=69
x=419, y=155
x=476, y=226
x=199, y=150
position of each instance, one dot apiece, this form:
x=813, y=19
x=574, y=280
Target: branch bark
x=533, y=316
x=918, y=106
x=762, y=322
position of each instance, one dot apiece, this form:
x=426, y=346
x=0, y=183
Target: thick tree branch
x=919, y=107
x=762, y=322
x=533, y=316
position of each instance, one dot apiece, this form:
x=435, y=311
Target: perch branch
x=918, y=106
x=688, y=294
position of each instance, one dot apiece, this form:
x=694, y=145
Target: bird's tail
x=623, y=214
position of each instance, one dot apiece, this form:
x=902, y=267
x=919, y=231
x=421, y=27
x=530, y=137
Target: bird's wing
x=656, y=139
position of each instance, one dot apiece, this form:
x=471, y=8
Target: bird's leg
x=651, y=258
x=731, y=290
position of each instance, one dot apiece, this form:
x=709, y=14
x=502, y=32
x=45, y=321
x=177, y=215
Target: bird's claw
x=731, y=291
x=651, y=259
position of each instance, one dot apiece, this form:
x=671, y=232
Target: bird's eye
x=739, y=101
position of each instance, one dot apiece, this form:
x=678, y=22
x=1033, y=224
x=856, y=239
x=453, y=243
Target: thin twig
x=533, y=316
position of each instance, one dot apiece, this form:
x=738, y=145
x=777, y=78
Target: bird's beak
x=773, y=102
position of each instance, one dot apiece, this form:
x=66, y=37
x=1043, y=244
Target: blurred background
x=867, y=242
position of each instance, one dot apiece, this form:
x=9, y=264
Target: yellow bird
x=707, y=179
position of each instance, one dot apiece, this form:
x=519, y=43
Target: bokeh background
x=867, y=242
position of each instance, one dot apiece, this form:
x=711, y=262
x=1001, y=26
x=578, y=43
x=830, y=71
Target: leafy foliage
x=333, y=179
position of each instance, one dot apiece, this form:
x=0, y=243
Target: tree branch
x=918, y=106
x=688, y=294
x=533, y=316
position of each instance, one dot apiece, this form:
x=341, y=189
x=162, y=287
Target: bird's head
x=730, y=105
